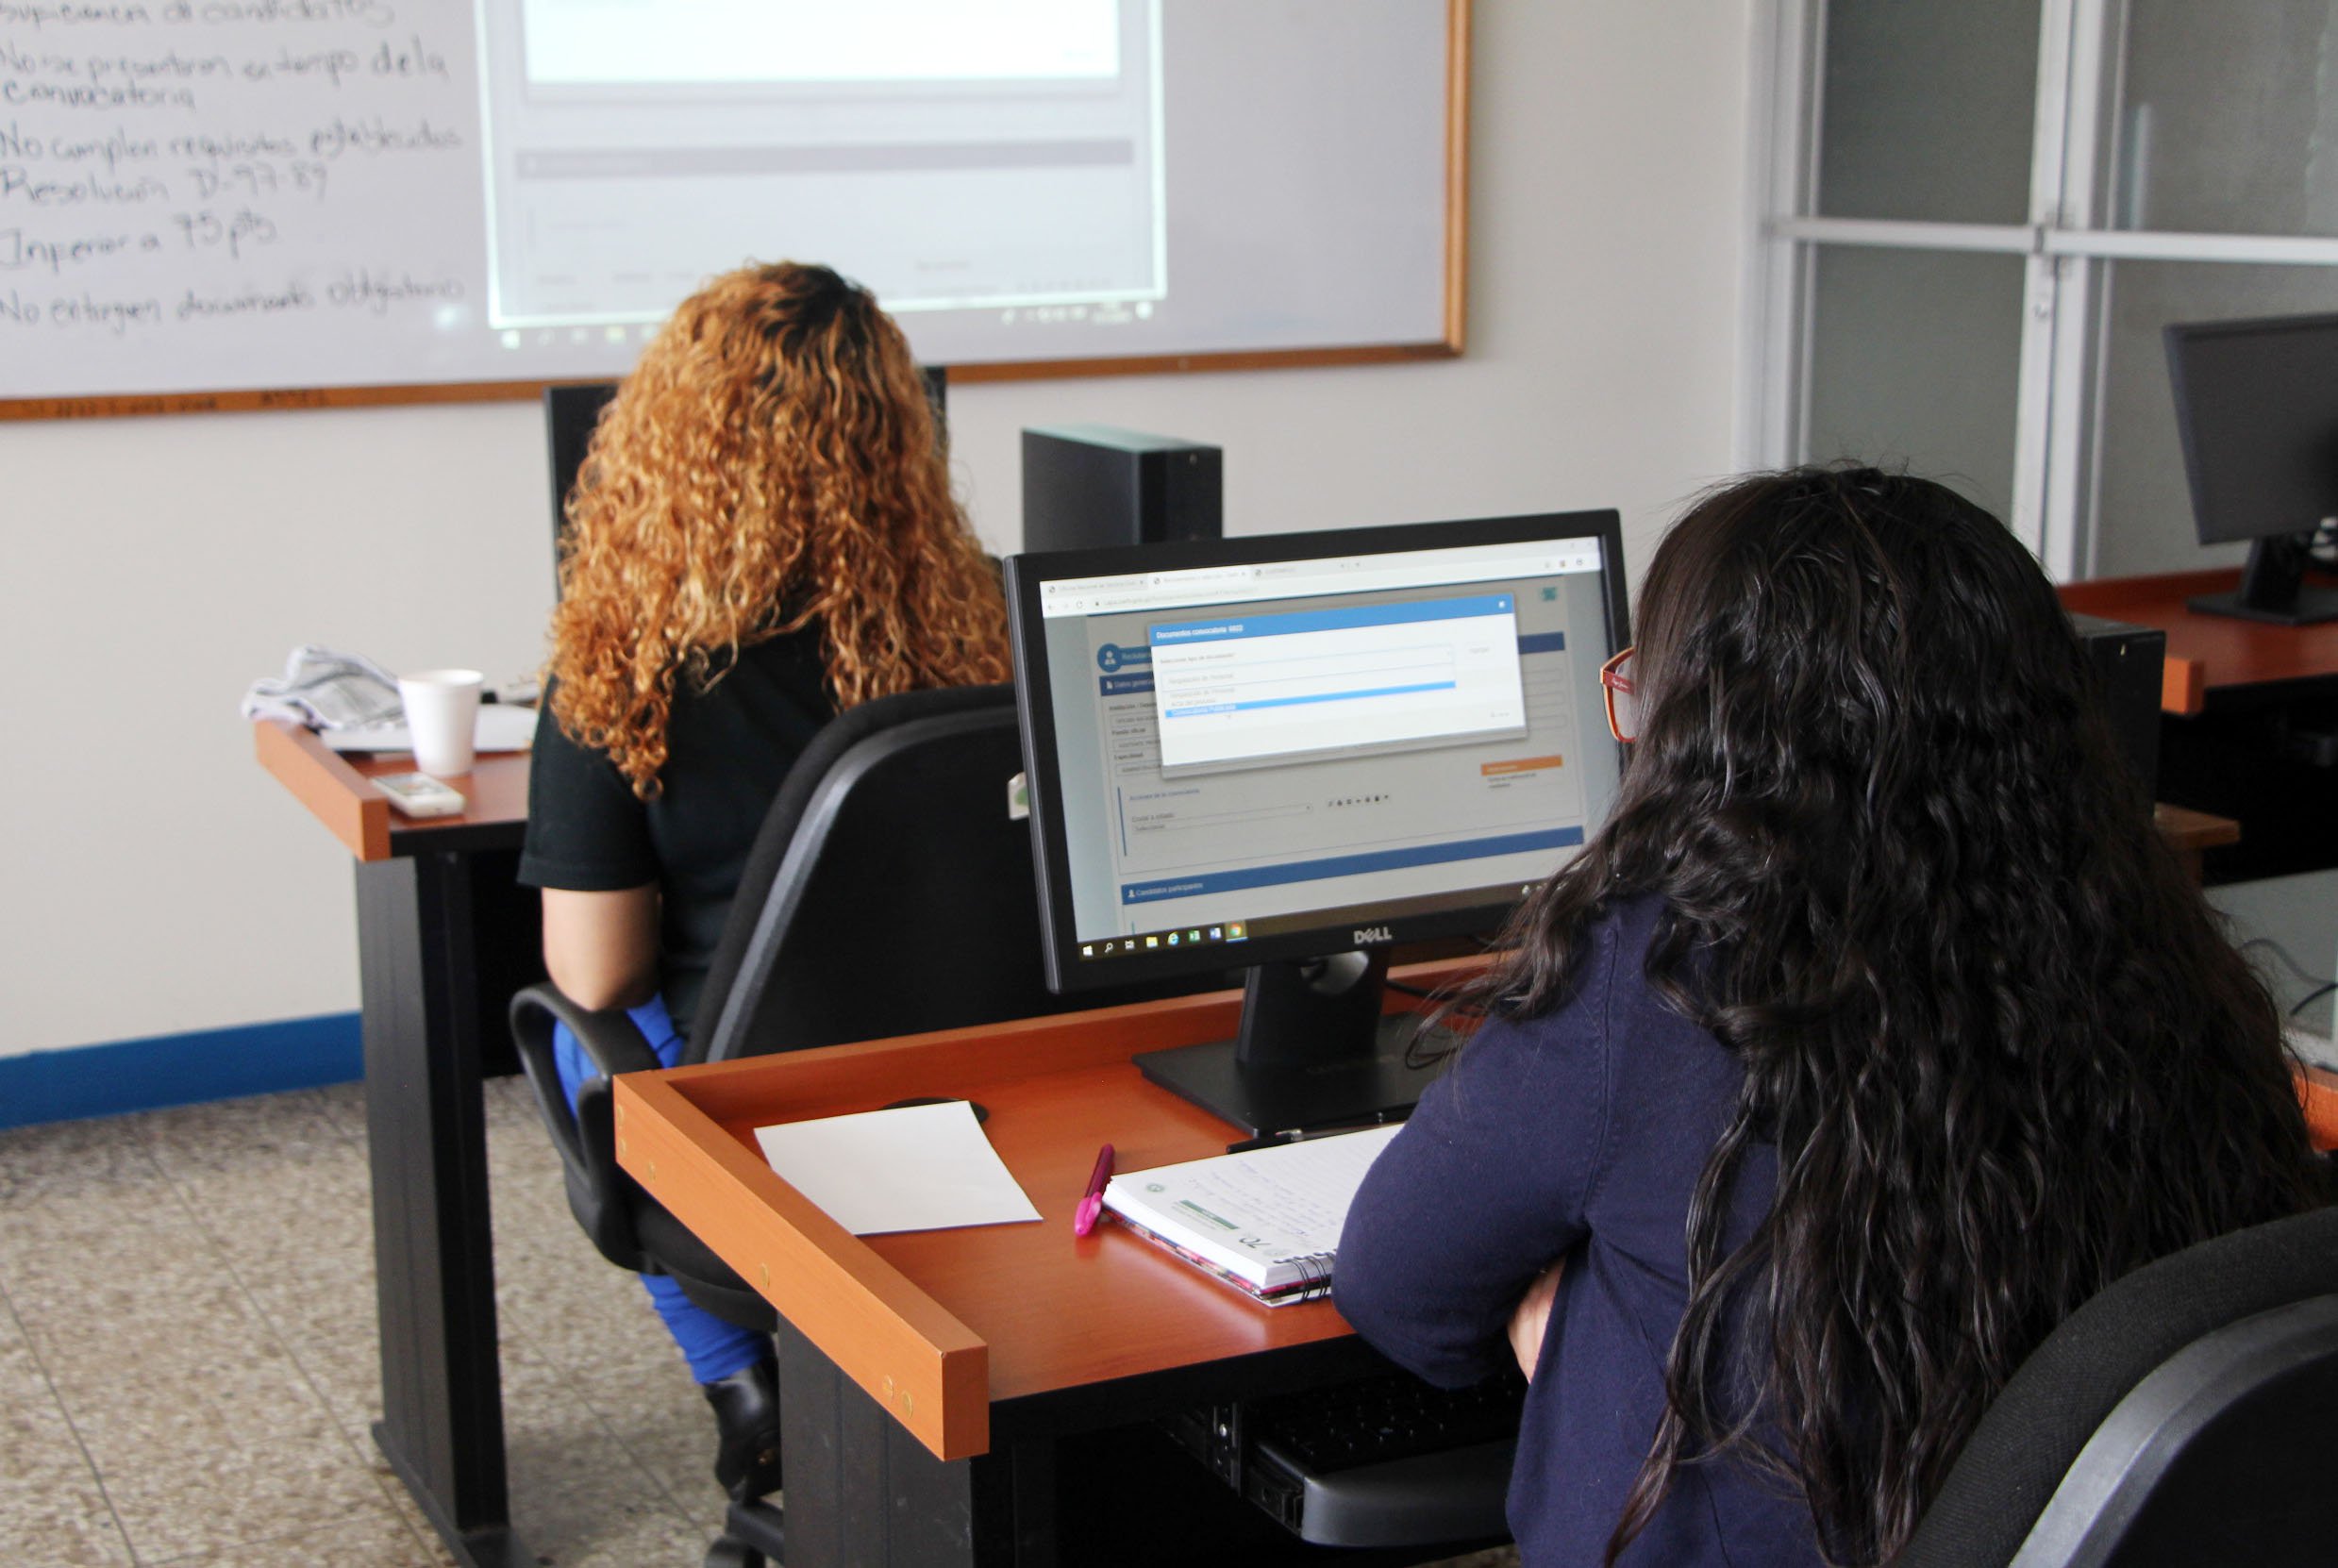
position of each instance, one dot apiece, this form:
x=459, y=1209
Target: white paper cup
x=442, y=714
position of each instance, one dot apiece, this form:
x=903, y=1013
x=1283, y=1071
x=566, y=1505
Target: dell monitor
x=2256, y=413
x=1289, y=754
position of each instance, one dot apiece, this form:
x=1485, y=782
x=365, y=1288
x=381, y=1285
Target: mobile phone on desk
x=418, y=794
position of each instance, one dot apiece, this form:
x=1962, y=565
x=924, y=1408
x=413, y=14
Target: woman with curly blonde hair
x=762, y=534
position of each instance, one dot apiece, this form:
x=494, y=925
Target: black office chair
x=888, y=891
x=2186, y=1416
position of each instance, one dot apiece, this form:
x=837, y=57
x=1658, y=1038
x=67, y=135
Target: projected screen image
x=950, y=157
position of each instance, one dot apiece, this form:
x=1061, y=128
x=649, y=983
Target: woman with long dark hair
x=1875, y=1031
x=762, y=535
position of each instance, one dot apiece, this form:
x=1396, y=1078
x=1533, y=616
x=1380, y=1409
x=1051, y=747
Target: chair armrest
x=600, y=1193
x=609, y=1037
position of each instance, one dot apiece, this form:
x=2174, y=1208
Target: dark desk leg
x=861, y=1490
x=442, y=1424
x=2257, y=766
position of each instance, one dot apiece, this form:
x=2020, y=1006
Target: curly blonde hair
x=771, y=463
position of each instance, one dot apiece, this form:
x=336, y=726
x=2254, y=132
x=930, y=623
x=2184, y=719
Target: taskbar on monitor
x=1360, y=918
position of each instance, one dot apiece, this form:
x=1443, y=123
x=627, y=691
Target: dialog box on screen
x=1246, y=690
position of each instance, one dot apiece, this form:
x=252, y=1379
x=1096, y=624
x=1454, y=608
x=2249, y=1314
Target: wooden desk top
x=334, y=787
x=2188, y=833
x=2207, y=652
x=939, y=1326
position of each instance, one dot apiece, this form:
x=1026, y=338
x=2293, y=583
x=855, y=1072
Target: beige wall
x=158, y=882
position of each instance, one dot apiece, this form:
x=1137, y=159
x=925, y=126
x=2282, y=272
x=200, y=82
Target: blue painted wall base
x=179, y=1069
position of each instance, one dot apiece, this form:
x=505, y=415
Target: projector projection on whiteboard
x=974, y=157
x=218, y=196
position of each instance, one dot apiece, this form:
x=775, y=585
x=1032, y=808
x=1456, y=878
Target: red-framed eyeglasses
x=1616, y=684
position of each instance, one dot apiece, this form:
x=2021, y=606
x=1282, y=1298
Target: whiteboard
x=235, y=203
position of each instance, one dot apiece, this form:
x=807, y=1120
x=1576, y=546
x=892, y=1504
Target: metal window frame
x=2082, y=53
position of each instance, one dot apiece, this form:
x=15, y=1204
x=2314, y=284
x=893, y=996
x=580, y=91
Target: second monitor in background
x=1089, y=486
x=2257, y=414
x=1289, y=754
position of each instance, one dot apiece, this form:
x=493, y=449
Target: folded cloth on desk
x=326, y=690
x=353, y=703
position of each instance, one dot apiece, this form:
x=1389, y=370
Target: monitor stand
x=2273, y=587
x=1315, y=1052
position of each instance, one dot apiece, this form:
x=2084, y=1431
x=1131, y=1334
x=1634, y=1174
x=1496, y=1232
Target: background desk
x=2245, y=708
x=445, y=935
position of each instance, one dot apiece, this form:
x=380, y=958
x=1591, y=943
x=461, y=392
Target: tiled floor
x=187, y=1355
x=187, y=1362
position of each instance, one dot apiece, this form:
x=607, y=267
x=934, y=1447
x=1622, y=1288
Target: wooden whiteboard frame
x=1448, y=346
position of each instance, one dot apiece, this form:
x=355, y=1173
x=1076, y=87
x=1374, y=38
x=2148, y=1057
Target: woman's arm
x=1489, y=1181
x=601, y=948
x=1530, y=1321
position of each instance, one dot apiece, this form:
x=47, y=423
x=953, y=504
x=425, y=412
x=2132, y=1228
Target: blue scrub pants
x=713, y=1348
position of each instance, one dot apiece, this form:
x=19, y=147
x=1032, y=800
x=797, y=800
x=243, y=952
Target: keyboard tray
x=1383, y=1461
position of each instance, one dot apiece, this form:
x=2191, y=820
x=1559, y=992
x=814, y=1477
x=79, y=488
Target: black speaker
x=2129, y=660
x=1090, y=485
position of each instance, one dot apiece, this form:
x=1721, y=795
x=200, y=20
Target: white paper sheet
x=504, y=728
x=925, y=1167
x=501, y=726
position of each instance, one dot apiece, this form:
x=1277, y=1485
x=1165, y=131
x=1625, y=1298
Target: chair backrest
x=2187, y=1414
x=889, y=891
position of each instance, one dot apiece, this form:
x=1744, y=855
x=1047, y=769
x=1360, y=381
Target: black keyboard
x=1392, y=1417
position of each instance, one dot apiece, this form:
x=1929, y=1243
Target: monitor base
x=1264, y=1101
x=2273, y=586
x=2313, y=606
x=2311, y=609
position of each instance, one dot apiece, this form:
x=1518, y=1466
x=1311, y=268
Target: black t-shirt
x=727, y=751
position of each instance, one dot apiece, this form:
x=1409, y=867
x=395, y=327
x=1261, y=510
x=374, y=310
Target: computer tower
x=1090, y=485
x=2129, y=659
x=570, y=412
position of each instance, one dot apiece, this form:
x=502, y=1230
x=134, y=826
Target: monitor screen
x=2257, y=411
x=1272, y=748
x=2257, y=416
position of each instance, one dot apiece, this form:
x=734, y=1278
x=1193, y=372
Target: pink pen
x=1092, y=1202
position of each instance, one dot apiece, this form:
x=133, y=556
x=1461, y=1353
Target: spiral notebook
x=1265, y=1221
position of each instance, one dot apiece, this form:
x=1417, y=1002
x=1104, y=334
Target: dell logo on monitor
x=1367, y=934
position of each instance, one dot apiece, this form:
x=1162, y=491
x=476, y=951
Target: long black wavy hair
x=2002, y=1049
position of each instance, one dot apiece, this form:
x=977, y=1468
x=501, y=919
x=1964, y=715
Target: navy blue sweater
x=1580, y=1134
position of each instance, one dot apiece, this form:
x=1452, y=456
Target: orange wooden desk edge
x=2317, y=1091
x=2189, y=832
x=2205, y=650
x=338, y=792
x=335, y=792
x=901, y=1346
x=930, y=1371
